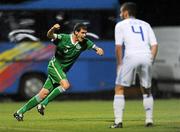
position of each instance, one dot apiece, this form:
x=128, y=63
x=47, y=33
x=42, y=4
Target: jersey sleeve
x=118, y=35
x=58, y=38
x=152, y=37
x=89, y=44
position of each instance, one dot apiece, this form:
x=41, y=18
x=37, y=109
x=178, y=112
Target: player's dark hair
x=79, y=26
x=130, y=7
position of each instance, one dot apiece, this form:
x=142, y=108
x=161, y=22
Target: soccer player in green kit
x=68, y=49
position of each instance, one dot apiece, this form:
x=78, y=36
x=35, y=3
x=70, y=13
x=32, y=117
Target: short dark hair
x=130, y=7
x=79, y=26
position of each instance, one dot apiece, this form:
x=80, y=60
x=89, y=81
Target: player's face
x=123, y=13
x=81, y=35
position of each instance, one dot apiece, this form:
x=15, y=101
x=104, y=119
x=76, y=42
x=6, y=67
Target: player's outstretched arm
x=50, y=33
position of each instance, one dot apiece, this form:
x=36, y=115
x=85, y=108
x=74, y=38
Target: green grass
x=91, y=116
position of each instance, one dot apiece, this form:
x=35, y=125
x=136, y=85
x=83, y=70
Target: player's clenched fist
x=99, y=51
x=56, y=27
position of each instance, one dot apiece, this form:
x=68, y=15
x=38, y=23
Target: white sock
x=148, y=106
x=119, y=103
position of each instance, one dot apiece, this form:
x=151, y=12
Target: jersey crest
x=78, y=47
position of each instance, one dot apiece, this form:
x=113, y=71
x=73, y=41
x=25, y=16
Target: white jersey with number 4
x=136, y=35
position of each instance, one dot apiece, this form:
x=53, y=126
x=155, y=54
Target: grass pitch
x=91, y=116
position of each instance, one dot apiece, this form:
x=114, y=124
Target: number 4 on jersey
x=140, y=31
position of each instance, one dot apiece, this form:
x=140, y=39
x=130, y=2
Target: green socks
x=52, y=95
x=36, y=100
x=30, y=104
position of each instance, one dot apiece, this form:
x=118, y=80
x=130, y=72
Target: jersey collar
x=72, y=40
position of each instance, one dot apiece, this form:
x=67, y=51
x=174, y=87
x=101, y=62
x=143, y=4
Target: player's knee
x=119, y=90
x=43, y=93
x=146, y=91
x=65, y=84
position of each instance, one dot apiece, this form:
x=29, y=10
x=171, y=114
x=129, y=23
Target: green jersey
x=67, y=52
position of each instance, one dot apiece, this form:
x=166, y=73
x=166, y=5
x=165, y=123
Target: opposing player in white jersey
x=140, y=51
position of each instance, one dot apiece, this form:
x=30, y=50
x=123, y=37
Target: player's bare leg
x=118, y=105
x=148, y=106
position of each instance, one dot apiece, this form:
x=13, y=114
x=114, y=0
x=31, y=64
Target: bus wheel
x=30, y=85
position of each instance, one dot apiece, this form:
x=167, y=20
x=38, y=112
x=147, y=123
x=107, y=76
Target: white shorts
x=132, y=65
